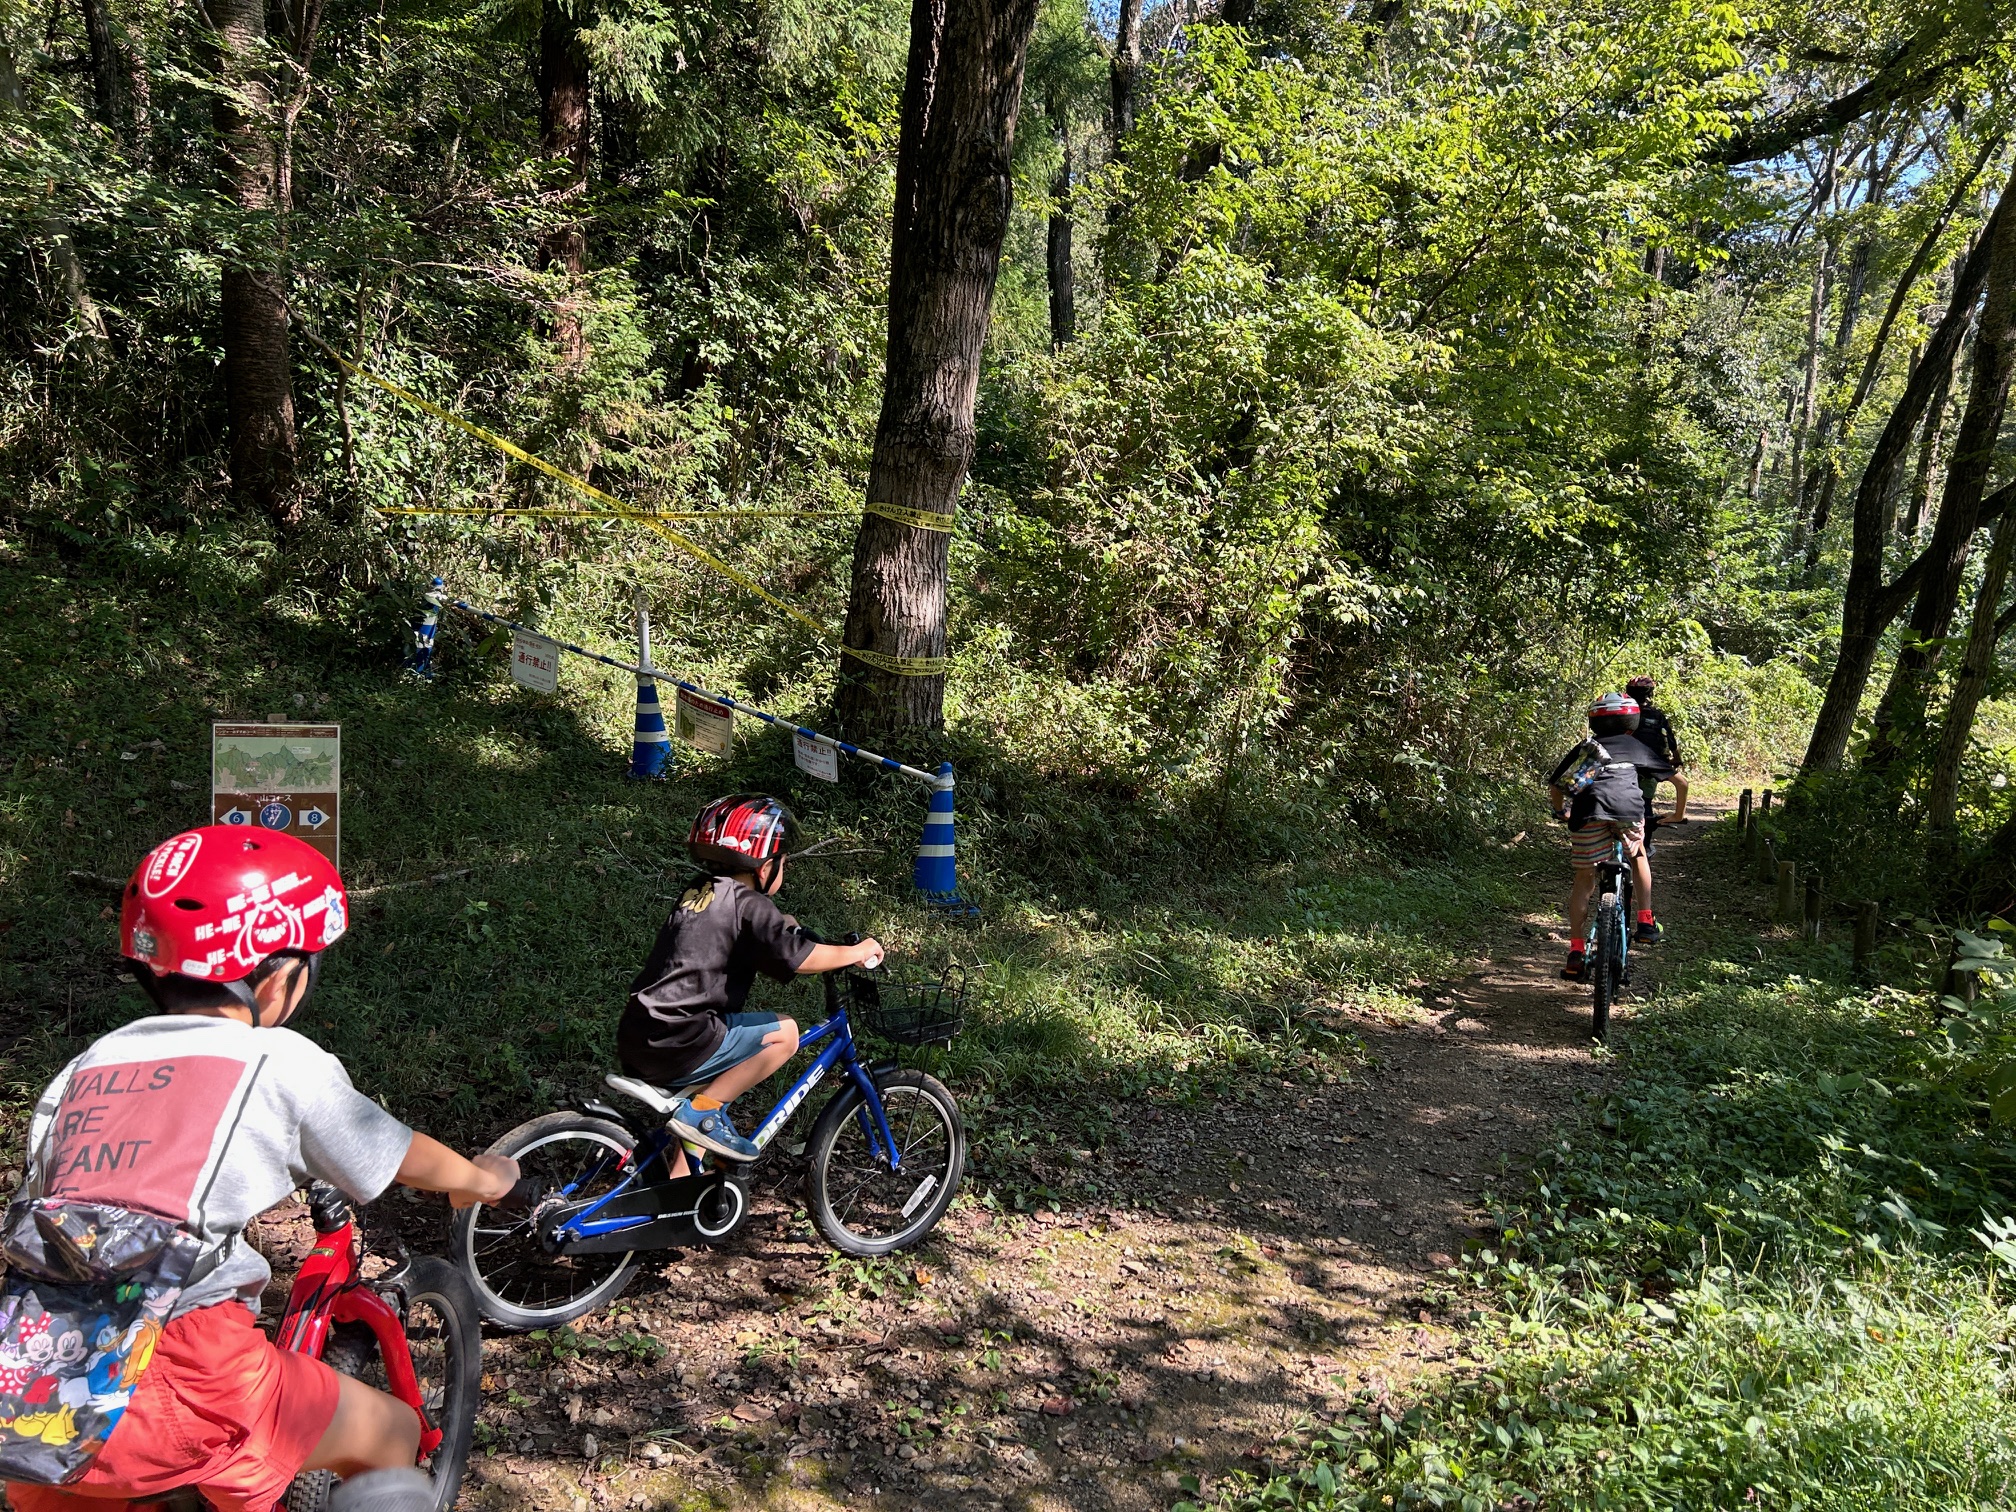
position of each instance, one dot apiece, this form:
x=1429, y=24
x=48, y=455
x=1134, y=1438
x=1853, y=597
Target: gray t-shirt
x=209, y=1122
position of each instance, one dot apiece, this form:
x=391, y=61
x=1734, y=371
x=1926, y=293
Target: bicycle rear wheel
x=516, y=1282
x=859, y=1205
x=1607, y=962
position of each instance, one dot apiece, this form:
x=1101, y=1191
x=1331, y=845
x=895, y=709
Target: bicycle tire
x=1606, y=965
x=845, y=1185
x=449, y=1365
x=494, y=1253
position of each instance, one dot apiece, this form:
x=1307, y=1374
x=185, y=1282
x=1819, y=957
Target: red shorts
x=220, y=1409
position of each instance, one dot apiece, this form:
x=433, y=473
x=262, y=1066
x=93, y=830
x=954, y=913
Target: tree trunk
x=1802, y=423
x=1126, y=69
x=564, y=91
x=1757, y=459
x=1063, y=296
x=1931, y=446
x=1943, y=801
x=953, y=190
x=107, y=66
x=1903, y=705
x=258, y=371
x=1868, y=605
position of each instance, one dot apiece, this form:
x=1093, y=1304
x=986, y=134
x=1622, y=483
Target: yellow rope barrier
x=617, y=514
x=901, y=666
x=921, y=519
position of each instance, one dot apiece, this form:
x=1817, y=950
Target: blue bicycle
x=883, y=1161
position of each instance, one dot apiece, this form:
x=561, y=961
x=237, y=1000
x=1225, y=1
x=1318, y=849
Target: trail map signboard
x=284, y=777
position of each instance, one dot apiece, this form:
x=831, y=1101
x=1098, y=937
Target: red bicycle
x=412, y=1331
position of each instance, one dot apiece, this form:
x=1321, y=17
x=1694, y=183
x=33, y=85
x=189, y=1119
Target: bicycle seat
x=657, y=1099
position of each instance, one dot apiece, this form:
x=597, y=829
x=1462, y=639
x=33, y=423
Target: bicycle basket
x=908, y=1011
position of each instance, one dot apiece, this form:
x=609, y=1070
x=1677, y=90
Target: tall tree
x=1994, y=363
x=258, y=371
x=1869, y=605
x=1126, y=69
x=1943, y=796
x=1057, y=261
x=961, y=93
x=564, y=99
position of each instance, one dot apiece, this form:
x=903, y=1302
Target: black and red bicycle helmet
x=1614, y=714
x=747, y=832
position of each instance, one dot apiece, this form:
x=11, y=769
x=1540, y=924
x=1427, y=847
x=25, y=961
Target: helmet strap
x=247, y=998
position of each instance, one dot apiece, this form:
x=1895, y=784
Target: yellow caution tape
x=901, y=666
x=922, y=519
x=619, y=514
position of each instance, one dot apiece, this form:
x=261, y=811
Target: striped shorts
x=1591, y=843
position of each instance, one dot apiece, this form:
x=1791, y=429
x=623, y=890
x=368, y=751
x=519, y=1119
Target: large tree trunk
x=1802, y=422
x=953, y=188
x=108, y=67
x=1903, y=705
x=1931, y=450
x=1943, y=801
x=258, y=371
x=1126, y=69
x=1868, y=605
x=564, y=90
x=1063, y=295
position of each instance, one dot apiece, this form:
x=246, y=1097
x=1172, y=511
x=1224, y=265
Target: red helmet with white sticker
x=216, y=904
x=745, y=833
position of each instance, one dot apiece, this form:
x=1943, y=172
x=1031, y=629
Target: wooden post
x=1812, y=924
x=1865, y=936
x=1743, y=813
x=1764, y=807
x=1767, y=859
x=1788, y=886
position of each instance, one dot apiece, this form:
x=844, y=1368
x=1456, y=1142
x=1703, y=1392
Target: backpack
x=1582, y=776
x=86, y=1291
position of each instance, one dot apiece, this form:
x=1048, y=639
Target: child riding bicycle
x=1595, y=789
x=1655, y=733
x=201, y=1116
x=684, y=1023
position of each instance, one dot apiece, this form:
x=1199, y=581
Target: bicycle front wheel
x=517, y=1283
x=859, y=1203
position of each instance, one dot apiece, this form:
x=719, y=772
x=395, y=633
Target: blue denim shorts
x=743, y=1039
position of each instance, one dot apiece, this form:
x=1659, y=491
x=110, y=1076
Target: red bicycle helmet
x=1613, y=714
x=745, y=832
x=1640, y=688
x=216, y=904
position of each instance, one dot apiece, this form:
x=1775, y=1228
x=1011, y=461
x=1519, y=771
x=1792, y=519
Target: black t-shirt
x=1655, y=733
x=1614, y=794
x=720, y=933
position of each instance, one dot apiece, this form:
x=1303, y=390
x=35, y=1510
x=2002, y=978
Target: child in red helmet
x=1610, y=807
x=683, y=1024
x=207, y=1113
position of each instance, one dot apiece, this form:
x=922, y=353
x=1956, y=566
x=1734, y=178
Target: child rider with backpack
x=131, y=1363
x=1595, y=788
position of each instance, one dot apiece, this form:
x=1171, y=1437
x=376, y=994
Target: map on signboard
x=268, y=764
x=705, y=724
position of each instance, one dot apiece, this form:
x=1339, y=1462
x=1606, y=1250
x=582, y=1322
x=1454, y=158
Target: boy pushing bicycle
x=1596, y=789
x=684, y=1022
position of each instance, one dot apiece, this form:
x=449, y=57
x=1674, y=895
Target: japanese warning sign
x=282, y=777
x=535, y=662
x=708, y=726
x=815, y=758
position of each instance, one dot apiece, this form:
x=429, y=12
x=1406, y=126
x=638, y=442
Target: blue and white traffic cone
x=937, y=874
x=648, y=746
x=423, y=634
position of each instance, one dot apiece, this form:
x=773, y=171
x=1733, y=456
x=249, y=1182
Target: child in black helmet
x=1655, y=732
x=684, y=1023
x=1611, y=806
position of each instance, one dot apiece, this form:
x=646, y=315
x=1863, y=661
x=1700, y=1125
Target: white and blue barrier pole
x=936, y=872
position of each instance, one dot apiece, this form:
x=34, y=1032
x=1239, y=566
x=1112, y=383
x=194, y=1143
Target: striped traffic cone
x=649, y=744
x=423, y=633
x=937, y=875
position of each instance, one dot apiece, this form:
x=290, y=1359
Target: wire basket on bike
x=907, y=1011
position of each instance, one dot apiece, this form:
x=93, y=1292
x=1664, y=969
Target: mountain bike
x=1609, y=969
x=883, y=1161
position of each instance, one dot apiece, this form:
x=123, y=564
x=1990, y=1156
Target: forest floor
x=1250, y=1266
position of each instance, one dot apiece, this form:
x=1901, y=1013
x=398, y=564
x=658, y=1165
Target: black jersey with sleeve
x=1614, y=794
x=720, y=933
x=1655, y=732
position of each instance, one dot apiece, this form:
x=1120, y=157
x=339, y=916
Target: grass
x=1758, y=1273
x=508, y=879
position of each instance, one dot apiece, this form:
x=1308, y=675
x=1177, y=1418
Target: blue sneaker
x=713, y=1130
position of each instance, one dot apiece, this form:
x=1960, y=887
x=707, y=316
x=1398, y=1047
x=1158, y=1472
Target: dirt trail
x=1248, y=1266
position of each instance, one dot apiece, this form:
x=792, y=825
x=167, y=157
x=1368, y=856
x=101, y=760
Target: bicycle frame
x=1619, y=868
x=329, y=1289
x=839, y=1051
